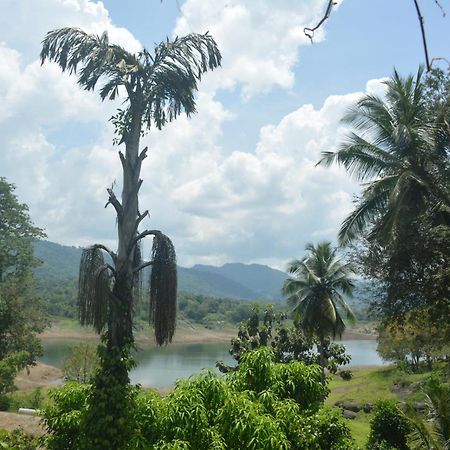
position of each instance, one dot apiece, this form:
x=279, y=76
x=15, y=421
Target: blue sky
x=238, y=181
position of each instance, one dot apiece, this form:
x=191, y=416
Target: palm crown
x=315, y=290
x=394, y=151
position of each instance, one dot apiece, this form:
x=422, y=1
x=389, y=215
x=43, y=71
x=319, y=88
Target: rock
x=367, y=407
x=348, y=414
x=419, y=406
x=351, y=406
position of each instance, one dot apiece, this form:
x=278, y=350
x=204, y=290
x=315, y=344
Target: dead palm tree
x=158, y=87
x=315, y=292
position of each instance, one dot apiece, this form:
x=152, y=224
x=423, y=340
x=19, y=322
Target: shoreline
x=182, y=336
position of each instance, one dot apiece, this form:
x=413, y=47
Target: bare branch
x=107, y=250
x=310, y=31
x=146, y=233
x=106, y=267
x=142, y=266
x=114, y=201
x=438, y=3
x=422, y=30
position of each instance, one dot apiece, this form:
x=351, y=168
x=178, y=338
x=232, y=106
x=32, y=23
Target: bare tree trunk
x=120, y=325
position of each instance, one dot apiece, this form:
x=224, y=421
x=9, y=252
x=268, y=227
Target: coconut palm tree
x=157, y=87
x=394, y=151
x=315, y=292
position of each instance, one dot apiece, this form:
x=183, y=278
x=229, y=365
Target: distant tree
x=158, y=88
x=418, y=338
x=21, y=315
x=315, y=292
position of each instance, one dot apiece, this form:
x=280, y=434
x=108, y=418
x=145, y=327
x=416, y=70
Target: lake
x=161, y=367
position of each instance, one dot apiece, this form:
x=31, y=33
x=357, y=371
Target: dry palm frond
x=93, y=289
x=163, y=289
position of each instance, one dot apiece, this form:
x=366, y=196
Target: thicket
x=262, y=405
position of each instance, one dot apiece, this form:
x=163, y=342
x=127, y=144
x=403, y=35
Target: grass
x=368, y=386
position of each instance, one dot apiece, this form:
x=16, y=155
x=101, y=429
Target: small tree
x=81, y=364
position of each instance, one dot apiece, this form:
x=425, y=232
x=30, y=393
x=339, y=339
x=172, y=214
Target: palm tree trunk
x=120, y=324
x=322, y=359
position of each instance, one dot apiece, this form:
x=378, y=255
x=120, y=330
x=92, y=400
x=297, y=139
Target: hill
x=236, y=281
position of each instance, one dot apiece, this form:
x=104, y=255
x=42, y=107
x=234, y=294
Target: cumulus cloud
x=260, y=205
x=259, y=40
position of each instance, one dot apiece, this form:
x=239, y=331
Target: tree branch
x=106, y=267
x=422, y=30
x=107, y=250
x=310, y=31
x=114, y=201
x=146, y=233
x=142, y=266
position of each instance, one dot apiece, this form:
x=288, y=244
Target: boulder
x=348, y=414
x=351, y=406
x=367, y=407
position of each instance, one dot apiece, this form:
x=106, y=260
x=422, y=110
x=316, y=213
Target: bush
x=263, y=405
x=17, y=440
x=389, y=427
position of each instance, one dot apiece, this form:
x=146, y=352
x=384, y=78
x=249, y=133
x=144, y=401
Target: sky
x=237, y=182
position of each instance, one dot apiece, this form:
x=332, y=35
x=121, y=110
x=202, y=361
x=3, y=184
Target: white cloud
x=259, y=39
x=261, y=205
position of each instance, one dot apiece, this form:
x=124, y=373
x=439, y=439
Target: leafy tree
x=418, y=338
x=315, y=292
x=21, y=316
x=158, y=88
x=81, y=364
x=395, y=153
x=288, y=343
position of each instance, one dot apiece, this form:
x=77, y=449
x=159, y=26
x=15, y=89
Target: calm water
x=161, y=367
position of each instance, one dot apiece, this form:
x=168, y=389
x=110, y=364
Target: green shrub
x=389, y=427
x=17, y=440
x=262, y=406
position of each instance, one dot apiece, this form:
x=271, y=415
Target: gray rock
x=367, y=407
x=348, y=414
x=419, y=406
x=351, y=406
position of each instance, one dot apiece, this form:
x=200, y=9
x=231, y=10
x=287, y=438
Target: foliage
x=263, y=405
x=435, y=434
x=417, y=338
x=394, y=152
x=17, y=440
x=288, y=343
x=81, y=364
x=21, y=316
x=389, y=428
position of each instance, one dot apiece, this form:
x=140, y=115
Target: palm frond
x=93, y=289
x=163, y=289
x=172, y=75
x=71, y=48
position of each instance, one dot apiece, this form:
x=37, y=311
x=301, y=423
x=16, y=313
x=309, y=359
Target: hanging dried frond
x=163, y=289
x=93, y=289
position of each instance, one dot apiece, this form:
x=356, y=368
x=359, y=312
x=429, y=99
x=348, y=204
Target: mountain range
x=233, y=280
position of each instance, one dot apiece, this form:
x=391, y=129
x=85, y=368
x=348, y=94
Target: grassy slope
x=368, y=386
